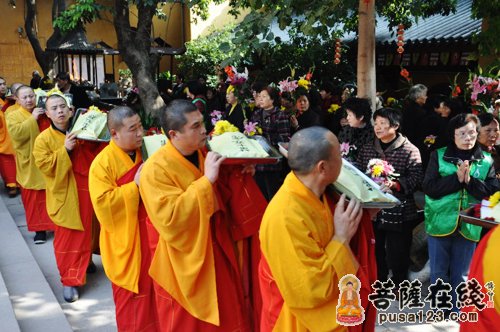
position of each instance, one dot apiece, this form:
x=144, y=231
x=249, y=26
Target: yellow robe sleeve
x=117, y=208
x=180, y=201
x=53, y=161
x=23, y=130
x=5, y=142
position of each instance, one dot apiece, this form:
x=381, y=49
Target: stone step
x=33, y=306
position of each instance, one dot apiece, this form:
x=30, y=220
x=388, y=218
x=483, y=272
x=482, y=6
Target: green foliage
x=78, y=14
x=204, y=55
x=165, y=75
x=125, y=73
x=489, y=39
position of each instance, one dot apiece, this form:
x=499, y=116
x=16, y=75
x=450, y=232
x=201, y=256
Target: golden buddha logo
x=349, y=310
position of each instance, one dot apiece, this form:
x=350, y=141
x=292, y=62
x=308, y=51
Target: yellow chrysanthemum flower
x=304, y=83
x=94, y=108
x=377, y=170
x=333, y=108
x=230, y=89
x=223, y=126
x=390, y=101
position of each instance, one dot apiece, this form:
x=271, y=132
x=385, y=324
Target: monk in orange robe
x=63, y=163
x=202, y=272
x=24, y=126
x=484, y=268
x=7, y=154
x=305, y=248
x=124, y=244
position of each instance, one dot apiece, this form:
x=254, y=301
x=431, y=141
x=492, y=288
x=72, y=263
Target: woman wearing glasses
x=458, y=175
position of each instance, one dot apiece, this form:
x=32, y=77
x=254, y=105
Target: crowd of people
x=192, y=244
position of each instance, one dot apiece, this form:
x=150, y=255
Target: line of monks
x=188, y=243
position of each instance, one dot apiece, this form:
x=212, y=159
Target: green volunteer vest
x=441, y=215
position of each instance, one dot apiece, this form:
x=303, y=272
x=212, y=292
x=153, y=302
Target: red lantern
x=400, y=41
x=338, y=51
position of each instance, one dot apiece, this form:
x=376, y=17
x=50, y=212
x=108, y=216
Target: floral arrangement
x=215, y=116
x=430, y=140
x=154, y=131
x=252, y=128
x=305, y=81
x=288, y=85
x=333, y=108
x=380, y=170
x=234, y=78
x=223, y=126
x=346, y=150
x=483, y=90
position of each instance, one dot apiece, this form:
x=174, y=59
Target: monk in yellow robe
x=3, y=91
x=198, y=266
x=124, y=243
x=305, y=249
x=58, y=156
x=24, y=126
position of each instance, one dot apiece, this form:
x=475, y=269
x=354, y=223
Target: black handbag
x=392, y=219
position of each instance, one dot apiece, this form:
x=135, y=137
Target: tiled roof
x=437, y=28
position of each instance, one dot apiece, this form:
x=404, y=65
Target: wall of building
x=218, y=18
x=17, y=59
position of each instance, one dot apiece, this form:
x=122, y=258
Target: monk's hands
x=346, y=219
x=138, y=175
x=37, y=111
x=213, y=160
x=70, y=141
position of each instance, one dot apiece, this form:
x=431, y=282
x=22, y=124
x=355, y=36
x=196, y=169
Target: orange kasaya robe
x=7, y=155
x=301, y=266
x=205, y=264
x=23, y=130
x=485, y=268
x=123, y=239
x=68, y=201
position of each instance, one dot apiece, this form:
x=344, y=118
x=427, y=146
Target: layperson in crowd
x=80, y=99
x=305, y=116
x=393, y=227
x=457, y=175
x=234, y=112
x=414, y=112
x=359, y=132
x=64, y=166
x=24, y=125
x=275, y=128
x=305, y=247
x=124, y=241
x=204, y=267
x=488, y=136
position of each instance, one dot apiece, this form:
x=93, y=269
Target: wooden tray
x=468, y=217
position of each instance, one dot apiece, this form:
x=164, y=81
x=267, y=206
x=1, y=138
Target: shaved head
x=22, y=87
x=310, y=146
x=14, y=87
x=117, y=115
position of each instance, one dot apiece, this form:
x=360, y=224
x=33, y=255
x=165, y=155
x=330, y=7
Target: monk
x=57, y=154
x=24, y=125
x=204, y=264
x=349, y=302
x=3, y=91
x=8, y=107
x=113, y=183
x=305, y=249
x=484, y=268
x=7, y=154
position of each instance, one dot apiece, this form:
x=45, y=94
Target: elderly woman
x=275, y=126
x=457, y=175
x=305, y=116
x=414, y=112
x=393, y=227
x=488, y=136
x=359, y=132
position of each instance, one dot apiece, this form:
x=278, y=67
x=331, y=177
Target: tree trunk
x=134, y=45
x=45, y=59
x=366, y=51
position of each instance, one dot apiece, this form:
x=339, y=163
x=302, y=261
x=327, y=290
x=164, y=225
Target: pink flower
x=215, y=116
x=287, y=85
x=344, y=149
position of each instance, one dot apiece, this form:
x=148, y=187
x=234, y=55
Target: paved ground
x=94, y=311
